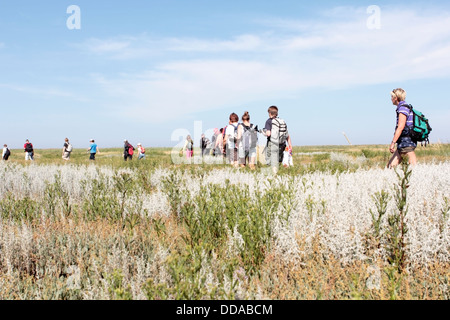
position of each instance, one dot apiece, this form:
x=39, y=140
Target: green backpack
x=421, y=127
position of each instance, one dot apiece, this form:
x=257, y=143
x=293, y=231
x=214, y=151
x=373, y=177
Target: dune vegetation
x=338, y=225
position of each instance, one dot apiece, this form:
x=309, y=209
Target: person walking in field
x=128, y=150
x=93, y=150
x=231, y=141
x=189, y=147
x=218, y=145
x=213, y=141
x=277, y=135
x=208, y=147
x=29, y=150
x=203, y=144
x=67, y=150
x=404, y=123
x=287, y=158
x=141, y=151
x=247, y=138
x=6, y=152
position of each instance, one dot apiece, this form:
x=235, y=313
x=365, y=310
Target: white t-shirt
x=287, y=159
x=4, y=151
x=230, y=132
x=230, y=129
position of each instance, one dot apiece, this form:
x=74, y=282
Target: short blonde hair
x=399, y=93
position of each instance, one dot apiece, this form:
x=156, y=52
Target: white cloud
x=290, y=57
x=41, y=91
x=101, y=47
x=246, y=42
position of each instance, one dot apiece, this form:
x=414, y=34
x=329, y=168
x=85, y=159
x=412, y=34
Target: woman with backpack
x=128, y=150
x=6, y=152
x=67, y=150
x=218, y=145
x=405, y=144
x=189, y=147
x=141, y=151
x=29, y=150
x=247, y=138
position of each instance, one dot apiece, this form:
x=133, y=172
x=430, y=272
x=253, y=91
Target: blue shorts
x=405, y=144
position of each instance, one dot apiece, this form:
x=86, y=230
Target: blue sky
x=145, y=70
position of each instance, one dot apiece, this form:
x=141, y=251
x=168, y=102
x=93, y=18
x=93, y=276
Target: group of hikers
x=237, y=142
x=93, y=150
x=128, y=150
x=27, y=147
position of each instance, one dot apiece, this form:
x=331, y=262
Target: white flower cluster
x=334, y=207
x=345, y=158
x=337, y=207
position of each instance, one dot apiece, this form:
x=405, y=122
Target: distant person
x=128, y=150
x=6, y=153
x=67, y=150
x=93, y=150
x=287, y=158
x=218, y=147
x=213, y=141
x=189, y=147
x=277, y=135
x=248, y=139
x=405, y=144
x=141, y=151
x=208, y=147
x=203, y=144
x=29, y=150
x=231, y=141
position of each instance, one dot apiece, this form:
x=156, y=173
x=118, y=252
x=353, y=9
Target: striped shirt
x=404, y=109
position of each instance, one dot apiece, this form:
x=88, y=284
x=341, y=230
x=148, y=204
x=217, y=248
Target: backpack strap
x=410, y=107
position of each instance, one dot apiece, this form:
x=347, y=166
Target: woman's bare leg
x=395, y=160
x=412, y=158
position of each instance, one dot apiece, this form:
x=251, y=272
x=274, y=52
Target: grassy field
x=306, y=158
x=337, y=225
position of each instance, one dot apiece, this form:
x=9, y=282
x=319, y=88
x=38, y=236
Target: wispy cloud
x=41, y=91
x=107, y=46
x=290, y=56
x=142, y=46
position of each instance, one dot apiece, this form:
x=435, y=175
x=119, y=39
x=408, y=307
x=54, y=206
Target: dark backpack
x=421, y=127
x=29, y=147
x=7, y=153
x=249, y=137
